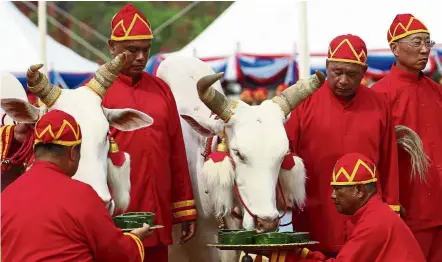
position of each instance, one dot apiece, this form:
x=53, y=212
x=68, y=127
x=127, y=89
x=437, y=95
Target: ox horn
x=295, y=94
x=39, y=85
x=219, y=104
x=107, y=74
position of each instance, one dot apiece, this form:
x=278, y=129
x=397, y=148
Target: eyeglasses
x=419, y=43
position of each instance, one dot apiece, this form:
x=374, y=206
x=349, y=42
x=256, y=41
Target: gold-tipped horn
x=295, y=94
x=219, y=104
x=107, y=74
x=39, y=85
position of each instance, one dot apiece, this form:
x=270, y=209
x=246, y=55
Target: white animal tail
x=119, y=181
x=412, y=144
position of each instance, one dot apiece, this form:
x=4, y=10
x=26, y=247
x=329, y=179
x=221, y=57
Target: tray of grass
x=299, y=237
x=134, y=220
x=273, y=238
x=236, y=237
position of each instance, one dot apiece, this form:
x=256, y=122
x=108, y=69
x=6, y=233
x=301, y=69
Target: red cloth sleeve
x=388, y=163
x=183, y=203
x=364, y=244
x=106, y=241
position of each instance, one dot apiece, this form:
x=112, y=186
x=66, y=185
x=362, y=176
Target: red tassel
x=218, y=156
x=289, y=162
x=117, y=158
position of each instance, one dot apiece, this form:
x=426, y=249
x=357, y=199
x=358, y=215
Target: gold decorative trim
x=185, y=203
x=184, y=213
x=139, y=244
x=96, y=87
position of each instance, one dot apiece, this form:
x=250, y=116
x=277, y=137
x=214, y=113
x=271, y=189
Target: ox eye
x=238, y=154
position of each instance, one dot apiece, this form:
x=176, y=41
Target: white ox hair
x=220, y=177
x=213, y=184
x=119, y=180
x=293, y=183
x=220, y=180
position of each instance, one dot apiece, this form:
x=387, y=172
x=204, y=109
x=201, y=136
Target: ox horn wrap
x=39, y=85
x=106, y=75
x=219, y=104
x=295, y=94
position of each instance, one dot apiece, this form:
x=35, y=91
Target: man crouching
x=378, y=233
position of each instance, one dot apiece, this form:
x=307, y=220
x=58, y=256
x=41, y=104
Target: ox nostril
x=267, y=225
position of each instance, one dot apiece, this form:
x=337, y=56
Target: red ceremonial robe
x=379, y=235
x=320, y=131
x=416, y=102
x=160, y=180
x=48, y=216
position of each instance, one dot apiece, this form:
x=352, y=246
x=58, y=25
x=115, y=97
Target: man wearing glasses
x=416, y=102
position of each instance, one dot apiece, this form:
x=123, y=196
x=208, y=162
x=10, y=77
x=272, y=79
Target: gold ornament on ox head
x=106, y=75
x=39, y=85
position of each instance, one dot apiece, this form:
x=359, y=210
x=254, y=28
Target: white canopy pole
x=42, y=34
x=304, y=53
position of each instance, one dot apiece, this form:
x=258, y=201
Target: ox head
x=84, y=104
x=255, y=135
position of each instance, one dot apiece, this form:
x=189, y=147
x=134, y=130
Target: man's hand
x=22, y=131
x=142, y=232
x=188, y=229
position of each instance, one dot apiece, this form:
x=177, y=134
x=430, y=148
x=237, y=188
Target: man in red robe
x=379, y=234
x=160, y=180
x=416, y=102
x=342, y=116
x=48, y=216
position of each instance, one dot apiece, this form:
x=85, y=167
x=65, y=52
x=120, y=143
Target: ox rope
x=205, y=154
x=23, y=154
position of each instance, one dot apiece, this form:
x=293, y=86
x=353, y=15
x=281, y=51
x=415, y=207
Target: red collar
x=127, y=80
x=404, y=75
x=342, y=100
x=374, y=200
x=45, y=164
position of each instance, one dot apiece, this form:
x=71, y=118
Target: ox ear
x=127, y=119
x=20, y=110
x=204, y=126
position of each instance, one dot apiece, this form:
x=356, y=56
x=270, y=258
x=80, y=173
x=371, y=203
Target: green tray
x=134, y=220
x=236, y=237
x=273, y=238
x=299, y=237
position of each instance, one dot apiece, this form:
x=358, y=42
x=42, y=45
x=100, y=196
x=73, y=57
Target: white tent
x=269, y=27
x=20, y=46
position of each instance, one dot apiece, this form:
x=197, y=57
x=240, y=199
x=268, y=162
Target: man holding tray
x=379, y=234
x=48, y=216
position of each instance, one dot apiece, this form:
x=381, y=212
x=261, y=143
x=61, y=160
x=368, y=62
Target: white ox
x=84, y=104
x=257, y=143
